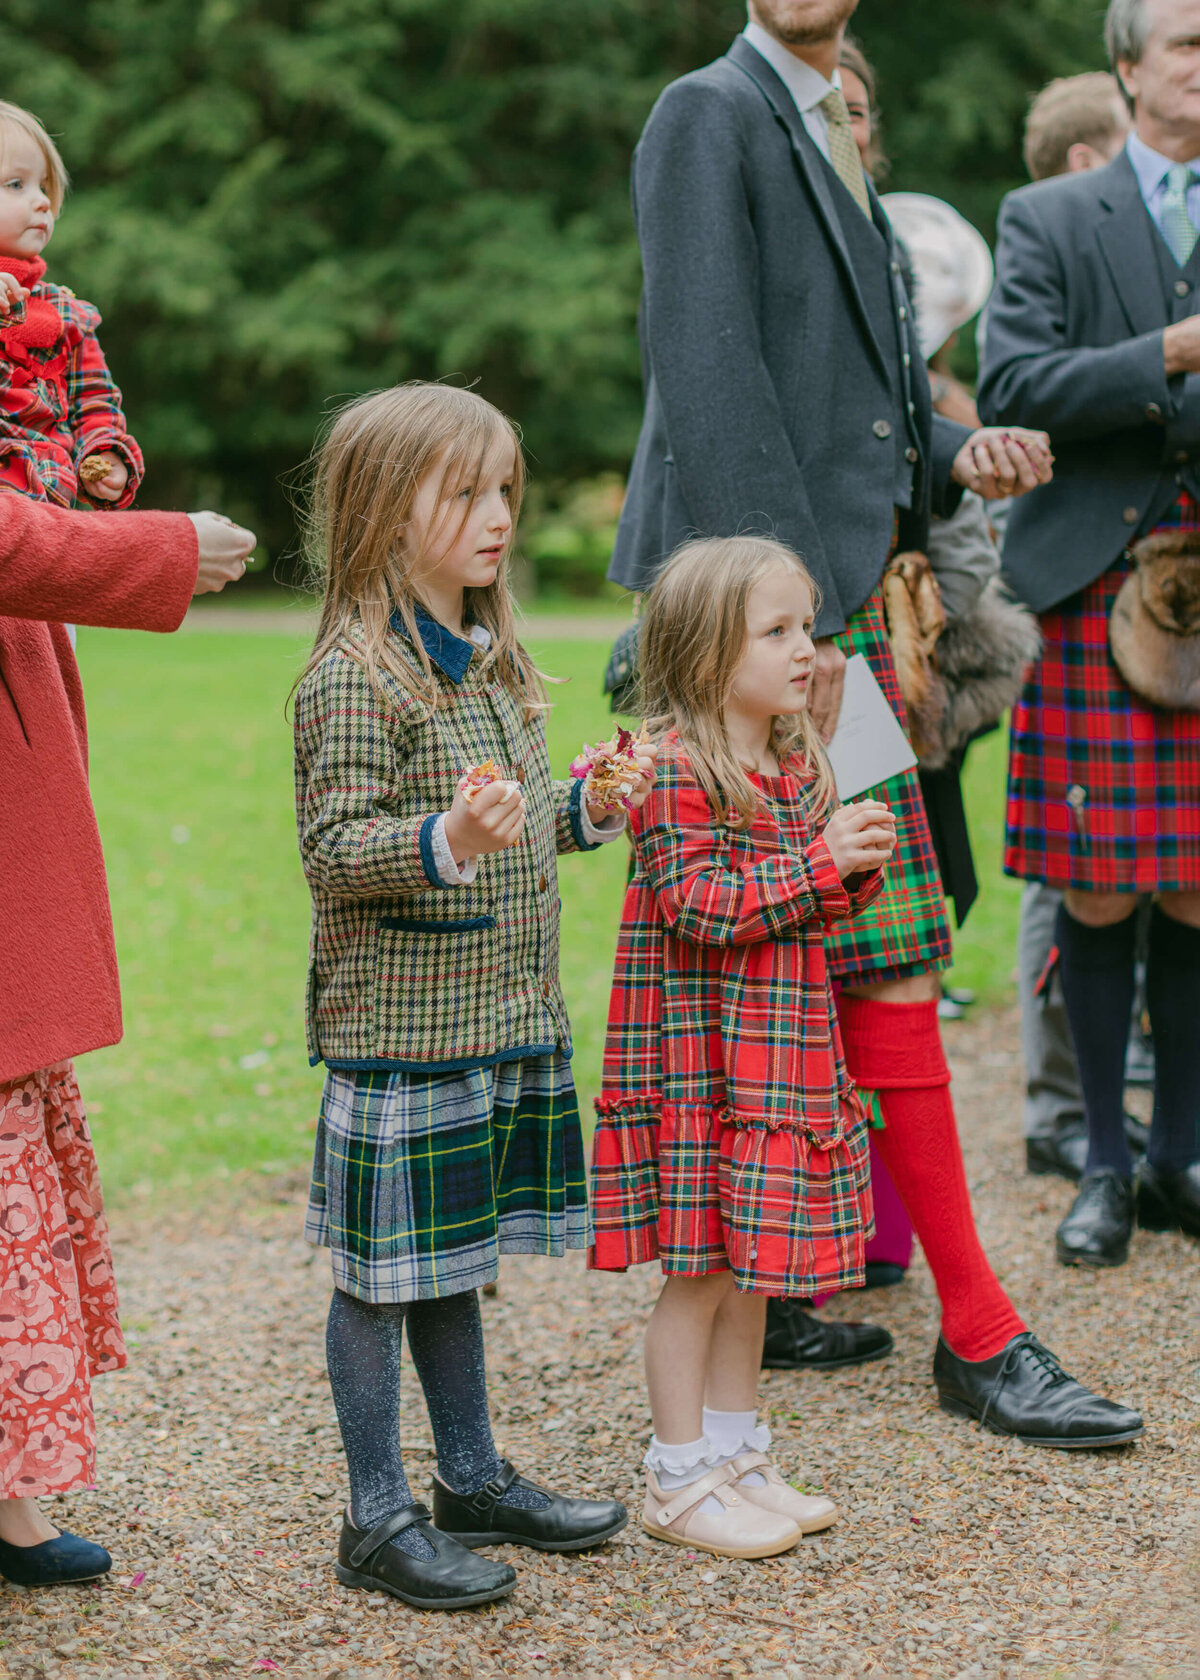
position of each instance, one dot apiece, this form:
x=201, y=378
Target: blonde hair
x=12, y=116
x=1072, y=110
x=693, y=636
x=366, y=472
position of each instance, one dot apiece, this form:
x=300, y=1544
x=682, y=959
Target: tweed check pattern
x=403, y=971
x=906, y=930
x=843, y=151
x=421, y=1181
x=59, y=404
x=1178, y=229
x=730, y=1135
x=1103, y=788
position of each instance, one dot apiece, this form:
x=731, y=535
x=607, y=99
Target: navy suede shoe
x=53, y=1563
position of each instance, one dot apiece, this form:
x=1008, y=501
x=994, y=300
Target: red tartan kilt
x=1132, y=823
x=700, y=1194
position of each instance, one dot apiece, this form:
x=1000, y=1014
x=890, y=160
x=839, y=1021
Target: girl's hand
x=645, y=756
x=109, y=485
x=11, y=292
x=860, y=837
x=492, y=821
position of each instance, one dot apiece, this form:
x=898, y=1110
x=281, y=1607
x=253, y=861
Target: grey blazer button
x=1181, y=456
x=1182, y=288
x=1153, y=412
x=1130, y=516
x=882, y=429
x=911, y=455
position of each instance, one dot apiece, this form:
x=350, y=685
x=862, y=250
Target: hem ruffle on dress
x=785, y=1207
x=59, y=1322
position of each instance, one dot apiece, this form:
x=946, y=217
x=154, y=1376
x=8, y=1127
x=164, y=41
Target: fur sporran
x=1154, y=626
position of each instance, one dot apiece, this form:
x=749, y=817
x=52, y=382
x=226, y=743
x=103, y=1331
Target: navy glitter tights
x=445, y=1337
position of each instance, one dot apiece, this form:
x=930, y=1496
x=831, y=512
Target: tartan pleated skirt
x=1103, y=788
x=906, y=930
x=422, y=1180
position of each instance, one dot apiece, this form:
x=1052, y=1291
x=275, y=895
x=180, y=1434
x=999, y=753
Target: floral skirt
x=58, y=1299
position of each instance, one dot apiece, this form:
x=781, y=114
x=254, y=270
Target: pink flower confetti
x=264, y=1665
x=136, y=1580
x=609, y=771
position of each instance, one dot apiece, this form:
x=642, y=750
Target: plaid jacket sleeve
x=707, y=900
x=351, y=753
x=94, y=411
x=569, y=835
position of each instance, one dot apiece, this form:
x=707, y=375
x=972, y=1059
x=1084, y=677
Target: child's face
x=26, y=219
x=460, y=531
x=773, y=674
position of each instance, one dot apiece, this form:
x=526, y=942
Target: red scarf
x=42, y=326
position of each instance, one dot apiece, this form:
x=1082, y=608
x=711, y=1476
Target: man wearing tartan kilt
x=786, y=393
x=1093, y=332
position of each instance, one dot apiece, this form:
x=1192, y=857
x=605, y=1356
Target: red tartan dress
x=730, y=1135
x=58, y=401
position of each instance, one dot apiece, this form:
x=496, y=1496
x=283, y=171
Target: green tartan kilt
x=905, y=931
x=422, y=1180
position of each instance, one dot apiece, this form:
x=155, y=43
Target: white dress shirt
x=806, y=85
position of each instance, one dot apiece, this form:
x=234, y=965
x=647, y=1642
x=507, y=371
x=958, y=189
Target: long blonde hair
x=693, y=635
x=366, y=471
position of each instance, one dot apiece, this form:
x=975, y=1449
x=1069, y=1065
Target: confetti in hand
x=479, y=776
x=609, y=771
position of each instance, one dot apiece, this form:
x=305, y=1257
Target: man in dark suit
x=1093, y=334
x=785, y=391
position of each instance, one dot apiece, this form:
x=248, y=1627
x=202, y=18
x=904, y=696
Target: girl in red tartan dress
x=731, y=1144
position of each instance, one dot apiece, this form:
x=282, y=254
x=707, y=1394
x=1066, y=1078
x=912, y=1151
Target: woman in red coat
x=58, y=987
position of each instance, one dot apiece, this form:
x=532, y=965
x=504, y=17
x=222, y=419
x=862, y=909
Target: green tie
x=843, y=153
x=1178, y=228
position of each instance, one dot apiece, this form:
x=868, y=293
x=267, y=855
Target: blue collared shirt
x=1151, y=168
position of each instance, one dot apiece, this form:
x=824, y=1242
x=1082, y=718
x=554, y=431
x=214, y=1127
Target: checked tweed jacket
x=403, y=971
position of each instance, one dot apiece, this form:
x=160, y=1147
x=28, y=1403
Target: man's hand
x=1000, y=461
x=489, y=822
x=106, y=486
x=860, y=837
x=11, y=293
x=825, y=691
x=1181, y=346
x=224, y=550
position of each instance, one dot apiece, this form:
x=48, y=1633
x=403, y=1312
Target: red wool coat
x=58, y=973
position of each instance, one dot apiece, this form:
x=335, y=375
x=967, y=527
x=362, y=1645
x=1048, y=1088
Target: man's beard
x=814, y=33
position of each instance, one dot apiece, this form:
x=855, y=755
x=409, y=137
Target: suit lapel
x=812, y=167
x=1126, y=236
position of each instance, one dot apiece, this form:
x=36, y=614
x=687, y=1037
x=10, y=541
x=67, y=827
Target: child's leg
x=363, y=1340
x=678, y=1342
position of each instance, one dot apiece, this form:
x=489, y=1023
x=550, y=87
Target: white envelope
x=868, y=744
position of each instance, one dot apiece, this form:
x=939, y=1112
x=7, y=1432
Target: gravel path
x=958, y=1554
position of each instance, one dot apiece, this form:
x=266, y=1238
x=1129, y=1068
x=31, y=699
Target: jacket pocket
x=422, y=924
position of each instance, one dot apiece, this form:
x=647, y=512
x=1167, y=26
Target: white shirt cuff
x=450, y=872
x=595, y=834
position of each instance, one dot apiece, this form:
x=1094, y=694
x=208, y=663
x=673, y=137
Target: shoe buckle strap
x=685, y=1498
x=387, y=1530
x=491, y=1493
x=745, y=1462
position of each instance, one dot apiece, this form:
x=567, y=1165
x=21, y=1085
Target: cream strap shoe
x=774, y=1494
x=741, y=1529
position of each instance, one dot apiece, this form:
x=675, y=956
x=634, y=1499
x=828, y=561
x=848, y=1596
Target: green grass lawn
x=191, y=773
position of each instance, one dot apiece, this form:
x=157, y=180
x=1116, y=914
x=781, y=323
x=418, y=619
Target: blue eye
x=777, y=631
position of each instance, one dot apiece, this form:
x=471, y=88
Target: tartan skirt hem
x=686, y=1185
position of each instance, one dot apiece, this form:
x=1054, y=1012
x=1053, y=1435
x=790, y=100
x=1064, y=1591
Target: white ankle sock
x=678, y=1465
x=733, y=1433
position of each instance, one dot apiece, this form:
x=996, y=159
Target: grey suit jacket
x=1074, y=345
x=785, y=391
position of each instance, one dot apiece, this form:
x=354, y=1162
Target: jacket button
x=1153, y=412
x=903, y=313
x=1130, y=516
x=882, y=429
x=521, y=773
x=545, y=988
x=910, y=454
x=1182, y=288
x=1181, y=456
x=541, y=883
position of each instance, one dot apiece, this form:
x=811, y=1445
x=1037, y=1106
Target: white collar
x=806, y=85
x=1150, y=166
x=481, y=637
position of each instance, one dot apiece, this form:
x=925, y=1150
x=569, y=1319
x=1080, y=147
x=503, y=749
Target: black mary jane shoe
x=796, y=1341
x=1097, y=1230
x=1169, y=1200
x=1024, y=1391
x=883, y=1274
x=53, y=1563
x=564, y=1525
x=450, y=1580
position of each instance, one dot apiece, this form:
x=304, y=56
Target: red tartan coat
x=58, y=401
x=721, y=995
x=58, y=976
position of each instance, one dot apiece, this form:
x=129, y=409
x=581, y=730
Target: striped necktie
x=1178, y=229
x=843, y=153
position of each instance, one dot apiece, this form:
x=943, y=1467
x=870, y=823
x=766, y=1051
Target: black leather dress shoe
x=1024, y=1391
x=884, y=1274
x=450, y=1580
x=565, y=1525
x=53, y=1563
x=1063, y=1153
x=1097, y=1230
x=796, y=1341
x=1169, y=1201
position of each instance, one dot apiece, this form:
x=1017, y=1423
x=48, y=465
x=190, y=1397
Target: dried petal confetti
x=609, y=771
x=480, y=776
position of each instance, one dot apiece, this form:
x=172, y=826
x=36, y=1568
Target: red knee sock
x=896, y=1050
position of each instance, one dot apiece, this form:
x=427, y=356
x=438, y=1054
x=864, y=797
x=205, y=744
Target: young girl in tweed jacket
x=449, y=1131
x=731, y=1144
